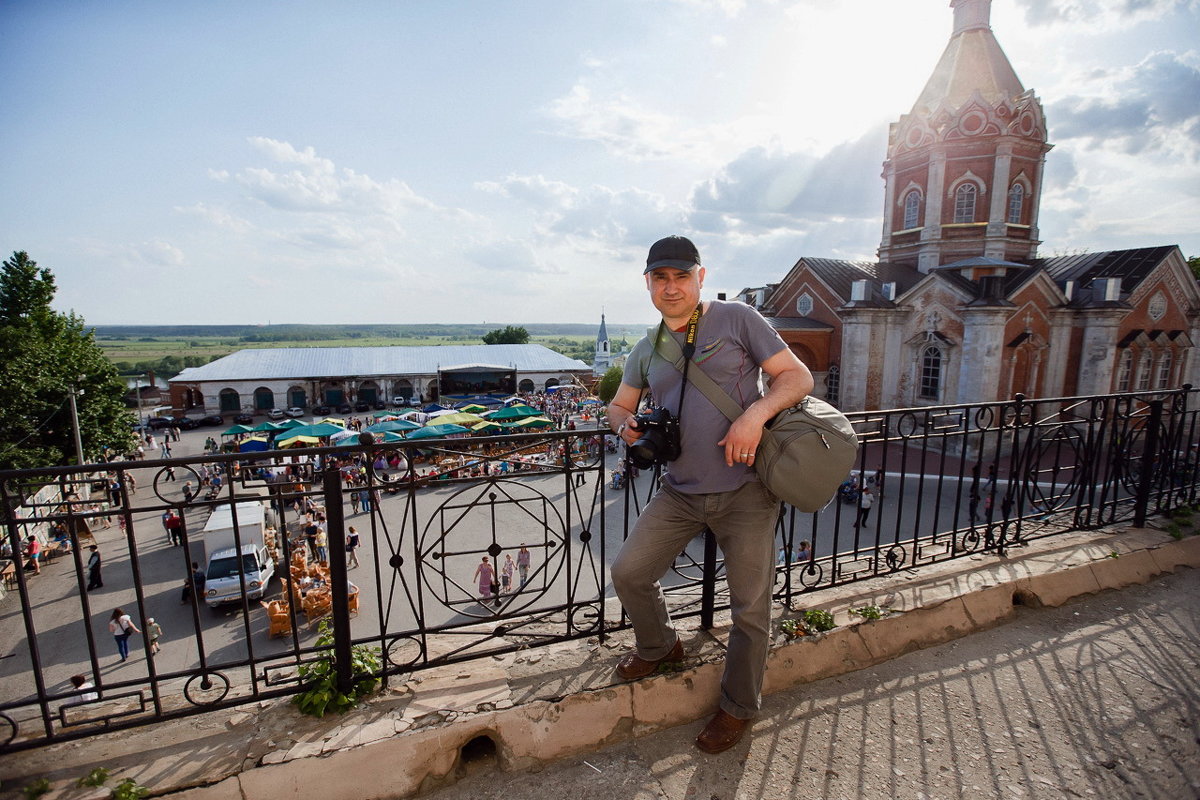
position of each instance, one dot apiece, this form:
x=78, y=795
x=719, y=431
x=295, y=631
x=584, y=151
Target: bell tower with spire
x=963, y=173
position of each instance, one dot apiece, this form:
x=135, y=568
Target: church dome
x=972, y=62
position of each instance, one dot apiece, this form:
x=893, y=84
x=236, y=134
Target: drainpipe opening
x=1024, y=597
x=480, y=751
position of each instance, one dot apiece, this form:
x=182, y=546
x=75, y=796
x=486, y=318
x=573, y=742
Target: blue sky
x=453, y=161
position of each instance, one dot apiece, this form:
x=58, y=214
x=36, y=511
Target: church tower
x=963, y=173
x=604, y=356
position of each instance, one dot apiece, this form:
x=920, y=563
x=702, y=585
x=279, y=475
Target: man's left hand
x=741, y=441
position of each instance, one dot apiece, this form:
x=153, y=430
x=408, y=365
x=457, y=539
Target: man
x=711, y=484
x=193, y=585
x=93, y=566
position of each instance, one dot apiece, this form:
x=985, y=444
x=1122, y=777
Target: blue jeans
x=123, y=644
x=743, y=521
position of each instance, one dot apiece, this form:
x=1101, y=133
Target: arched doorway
x=264, y=399
x=297, y=397
x=230, y=400
x=525, y=386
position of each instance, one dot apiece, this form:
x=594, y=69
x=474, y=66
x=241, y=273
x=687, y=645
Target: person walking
x=523, y=564
x=93, y=565
x=352, y=545
x=354, y=501
x=865, y=501
x=485, y=574
x=153, y=634
x=710, y=482
x=33, y=549
x=506, y=574
x=121, y=626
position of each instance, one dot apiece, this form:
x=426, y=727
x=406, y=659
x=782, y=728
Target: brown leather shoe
x=722, y=732
x=633, y=666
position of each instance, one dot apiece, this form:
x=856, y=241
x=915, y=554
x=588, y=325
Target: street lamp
x=75, y=422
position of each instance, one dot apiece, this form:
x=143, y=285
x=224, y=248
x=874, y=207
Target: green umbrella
x=236, y=429
x=436, y=431
x=513, y=412
x=265, y=426
x=392, y=425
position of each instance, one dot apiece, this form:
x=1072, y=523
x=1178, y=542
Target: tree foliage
x=509, y=335
x=609, y=382
x=45, y=354
x=1194, y=263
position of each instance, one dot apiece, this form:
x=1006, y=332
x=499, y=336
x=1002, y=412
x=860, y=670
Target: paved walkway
x=1098, y=698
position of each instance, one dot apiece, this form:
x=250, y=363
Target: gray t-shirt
x=732, y=340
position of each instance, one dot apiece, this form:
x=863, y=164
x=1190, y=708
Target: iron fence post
x=1149, y=470
x=708, y=582
x=336, y=537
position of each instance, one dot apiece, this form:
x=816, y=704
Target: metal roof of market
x=345, y=362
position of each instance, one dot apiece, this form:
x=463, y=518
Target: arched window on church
x=912, y=209
x=931, y=373
x=1016, y=202
x=1145, y=365
x=833, y=384
x=1125, y=371
x=964, y=203
x=1164, y=371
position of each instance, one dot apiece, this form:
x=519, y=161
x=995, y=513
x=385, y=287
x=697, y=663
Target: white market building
x=259, y=379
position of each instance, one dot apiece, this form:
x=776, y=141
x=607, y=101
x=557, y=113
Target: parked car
x=380, y=405
x=295, y=412
x=344, y=408
x=415, y=402
x=361, y=407
x=321, y=411
x=244, y=419
x=184, y=423
x=276, y=413
x=212, y=419
x=157, y=423
x=399, y=402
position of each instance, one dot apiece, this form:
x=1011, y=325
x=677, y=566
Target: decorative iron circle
x=584, y=618
x=158, y=488
x=11, y=724
x=984, y=418
x=202, y=695
x=1062, y=444
x=908, y=426
x=403, y=651
x=488, y=520
x=895, y=557
x=1016, y=415
x=969, y=541
x=811, y=575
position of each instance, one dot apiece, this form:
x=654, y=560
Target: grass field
x=166, y=349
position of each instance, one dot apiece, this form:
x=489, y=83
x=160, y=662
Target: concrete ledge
x=421, y=735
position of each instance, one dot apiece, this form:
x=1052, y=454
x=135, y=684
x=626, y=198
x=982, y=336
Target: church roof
x=972, y=61
x=797, y=324
x=838, y=275
x=1132, y=266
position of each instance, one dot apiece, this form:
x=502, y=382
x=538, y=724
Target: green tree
x=509, y=335
x=609, y=382
x=45, y=355
x=1194, y=263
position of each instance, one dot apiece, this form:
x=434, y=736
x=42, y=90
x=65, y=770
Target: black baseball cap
x=676, y=252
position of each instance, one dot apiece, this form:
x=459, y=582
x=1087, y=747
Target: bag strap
x=668, y=348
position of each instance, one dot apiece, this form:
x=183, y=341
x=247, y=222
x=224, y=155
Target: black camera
x=660, y=439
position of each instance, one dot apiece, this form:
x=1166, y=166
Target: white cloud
x=1099, y=13
x=1149, y=106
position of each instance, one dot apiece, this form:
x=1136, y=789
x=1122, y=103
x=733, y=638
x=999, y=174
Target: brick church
x=959, y=308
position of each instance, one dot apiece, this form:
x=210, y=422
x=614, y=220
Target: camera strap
x=689, y=350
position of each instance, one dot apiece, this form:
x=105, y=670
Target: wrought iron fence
x=439, y=520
